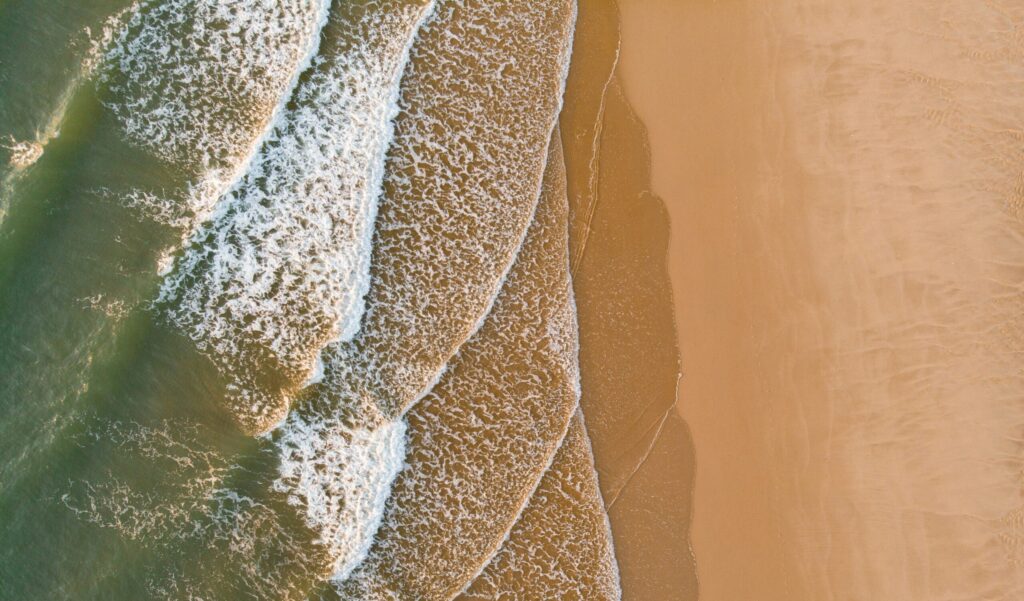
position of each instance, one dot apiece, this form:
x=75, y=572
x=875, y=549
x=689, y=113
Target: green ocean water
x=120, y=476
x=131, y=464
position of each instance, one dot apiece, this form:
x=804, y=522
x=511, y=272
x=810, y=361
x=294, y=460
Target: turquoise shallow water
x=193, y=403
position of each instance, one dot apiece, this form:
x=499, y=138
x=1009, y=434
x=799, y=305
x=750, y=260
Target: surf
x=462, y=184
x=481, y=440
x=282, y=267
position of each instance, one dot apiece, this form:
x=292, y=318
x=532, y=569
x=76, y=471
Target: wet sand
x=845, y=193
x=629, y=359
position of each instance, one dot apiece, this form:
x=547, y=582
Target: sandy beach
x=629, y=357
x=775, y=251
x=843, y=184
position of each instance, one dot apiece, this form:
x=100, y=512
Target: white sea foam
x=480, y=441
x=336, y=479
x=151, y=206
x=318, y=373
x=196, y=81
x=199, y=83
x=101, y=42
x=114, y=308
x=24, y=153
x=561, y=546
x=178, y=211
x=479, y=100
x=340, y=477
x=283, y=266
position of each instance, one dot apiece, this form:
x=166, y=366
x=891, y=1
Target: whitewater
x=282, y=267
x=330, y=345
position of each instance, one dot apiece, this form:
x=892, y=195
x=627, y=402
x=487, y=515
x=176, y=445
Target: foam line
x=480, y=442
x=480, y=99
x=282, y=268
x=201, y=84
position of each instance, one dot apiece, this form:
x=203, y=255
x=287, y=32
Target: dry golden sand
x=845, y=187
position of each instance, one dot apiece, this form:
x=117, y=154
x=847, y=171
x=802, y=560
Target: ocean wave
x=479, y=101
x=196, y=81
x=283, y=266
x=199, y=85
x=340, y=478
x=561, y=547
x=438, y=329
x=481, y=440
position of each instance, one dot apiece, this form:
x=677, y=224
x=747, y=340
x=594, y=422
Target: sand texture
x=843, y=180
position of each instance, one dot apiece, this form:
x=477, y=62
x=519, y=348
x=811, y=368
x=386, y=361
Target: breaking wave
x=282, y=268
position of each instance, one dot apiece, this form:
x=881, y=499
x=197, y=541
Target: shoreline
x=629, y=359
